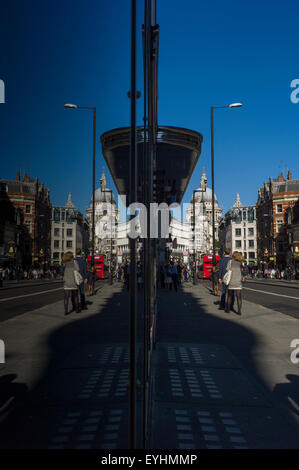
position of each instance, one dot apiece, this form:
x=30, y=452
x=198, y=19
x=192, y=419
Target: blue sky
x=211, y=53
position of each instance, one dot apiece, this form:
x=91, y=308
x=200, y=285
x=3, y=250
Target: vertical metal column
x=132, y=275
x=93, y=187
x=145, y=240
x=150, y=126
x=213, y=190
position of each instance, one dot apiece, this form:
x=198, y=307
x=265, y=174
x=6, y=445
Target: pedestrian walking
x=174, y=276
x=83, y=271
x=91, y=275
x=70, y=286
x=215, y=279
x=168, y=278
x=235, y=283
x=222, y=270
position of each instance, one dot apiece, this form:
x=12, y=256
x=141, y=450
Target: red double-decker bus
x=208, y=264
x=98, y=264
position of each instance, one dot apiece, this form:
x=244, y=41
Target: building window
x=244, y=245
x=251, y=216
x=245, y=255
x=251, y=243
x=238, y=219
x=279, y=225
x=56, y=232
x=279, y=208
x=69, y=216
x=28, y=209
x=238, y=244
x=238, y=232
x=28, y=225
x=244, y=215
x=56, y=243
x=56, y=215
x=251, y=232
x=62, y=215
x=251, y=255
x=69, y=232
x=55, y=255
x=69, y=244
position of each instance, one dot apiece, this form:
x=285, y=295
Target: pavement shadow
x=288, y=393
x=182, y=318
x=13, y=400
x=76, y=349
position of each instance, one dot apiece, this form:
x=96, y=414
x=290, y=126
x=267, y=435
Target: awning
x=177, y=151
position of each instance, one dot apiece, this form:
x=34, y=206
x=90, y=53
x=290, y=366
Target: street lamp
x=232, y=105
x=74, y=106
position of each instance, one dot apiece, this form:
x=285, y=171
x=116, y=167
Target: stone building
x=106, y=219
x=273, y=200
x=292, y=228
x=28, y=221
x=70, y=230
x=202, y=236
x=238, y=231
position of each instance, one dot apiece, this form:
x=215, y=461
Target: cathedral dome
x=103, y=194
x=205, y=196
x=204, y=193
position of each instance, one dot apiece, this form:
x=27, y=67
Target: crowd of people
x=19, y=274
x=253, y=272
x=169, y=276
x=288, y=273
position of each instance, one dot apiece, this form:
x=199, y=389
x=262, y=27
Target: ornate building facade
x=274, y=198
x=106, y=219
x=69, y=231
x=29, y=215
x=237, y=231
x=201, y=237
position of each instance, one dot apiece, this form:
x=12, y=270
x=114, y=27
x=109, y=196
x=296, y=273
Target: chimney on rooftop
x=289, y=175
x=280, y=178
x=18, y=176
x=26, y=178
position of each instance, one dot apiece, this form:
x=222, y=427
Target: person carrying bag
x=71, y=278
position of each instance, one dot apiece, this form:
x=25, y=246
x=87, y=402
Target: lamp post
x=232, y=105
x=74, y=106
x=203, y=190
